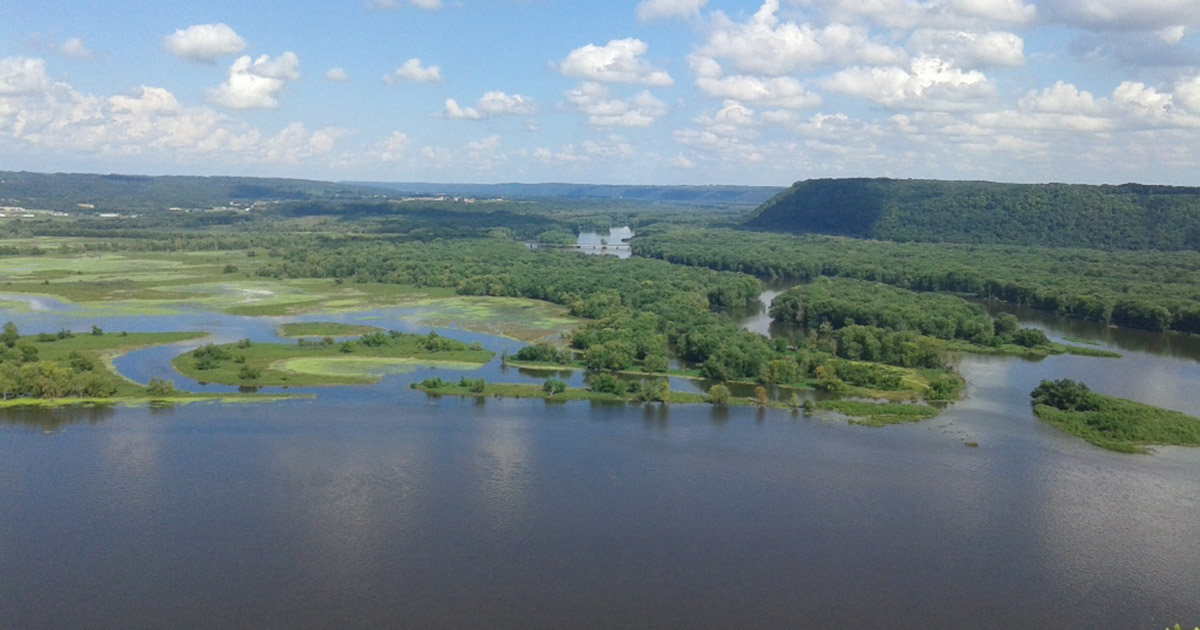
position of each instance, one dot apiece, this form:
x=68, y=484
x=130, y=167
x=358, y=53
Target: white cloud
x=681, y=161
x=256, y=85
x=969, y=49
x=649, y=10
x=498, y=103
x=204, y=43
x=415, y=71
x=285, y=67
x=603, y=110
x=768, y=46
x=618, y=61
x=454, y=111
x=1062, y=98
x=76, y=49
x=392, y=148
x=336, y=75
x=22, y=75
x=1187, y=92
x=769, y=91
x=1172, y=34
x=929, y=83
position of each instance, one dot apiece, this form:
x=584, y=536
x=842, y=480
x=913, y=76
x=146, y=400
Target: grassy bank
x=306, y=364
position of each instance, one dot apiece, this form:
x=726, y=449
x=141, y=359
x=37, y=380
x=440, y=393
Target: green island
x=1109, y=422
x=605, y=388
x=364, y=359
x=69, y=368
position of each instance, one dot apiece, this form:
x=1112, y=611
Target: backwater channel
x=379, y=506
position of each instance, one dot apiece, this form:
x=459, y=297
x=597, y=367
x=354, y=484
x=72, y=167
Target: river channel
x=378, y=506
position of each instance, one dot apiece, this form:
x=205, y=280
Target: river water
x=379, y=506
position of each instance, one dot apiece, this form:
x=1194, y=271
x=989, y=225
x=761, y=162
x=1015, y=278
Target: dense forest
x=1130, y=216
x=1140, y=289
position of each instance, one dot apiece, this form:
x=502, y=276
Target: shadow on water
x=54, y=419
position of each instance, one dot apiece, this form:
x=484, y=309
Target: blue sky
x=656, y=91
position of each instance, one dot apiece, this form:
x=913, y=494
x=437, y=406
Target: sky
x=621, y=92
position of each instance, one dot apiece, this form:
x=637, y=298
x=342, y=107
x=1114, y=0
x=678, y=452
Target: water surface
x=382, y=507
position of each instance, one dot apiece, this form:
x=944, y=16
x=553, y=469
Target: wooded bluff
x=1128, y=216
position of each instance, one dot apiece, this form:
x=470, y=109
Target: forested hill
x=1129, y=216
x=121, y=193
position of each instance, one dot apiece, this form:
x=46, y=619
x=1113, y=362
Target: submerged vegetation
x=1109, y=422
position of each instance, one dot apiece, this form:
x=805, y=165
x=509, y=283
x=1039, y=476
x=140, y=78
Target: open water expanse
x=379, y=506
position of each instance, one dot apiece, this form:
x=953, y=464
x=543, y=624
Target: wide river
x=381, y=507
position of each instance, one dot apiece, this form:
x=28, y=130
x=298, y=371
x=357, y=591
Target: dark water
x=382, y=507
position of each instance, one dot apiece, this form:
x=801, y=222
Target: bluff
x=1128, y=216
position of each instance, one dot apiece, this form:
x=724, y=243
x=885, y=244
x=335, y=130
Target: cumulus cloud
x=766, y=45
x=456, y=112
x=604, y=110
x=618, y=61
x=494, y=103
x=392, y=148
x=649, y=10
x=204, y=43
x=415, y=71
x=928, y=83
x=336, y=75
x=785, y=92
x=969, y=49
x=498, y=103
x=76, y=49
x=22, y=75
x=148, y=121
x=256, y=84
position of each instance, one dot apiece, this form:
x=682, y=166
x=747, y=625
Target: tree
x=655, y=390
x=160, y=387
x=718, y=394
x=554, y=386
x=760, y=395
x=97, y=331
x=9, y=336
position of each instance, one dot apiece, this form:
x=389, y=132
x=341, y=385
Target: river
x=379, y=506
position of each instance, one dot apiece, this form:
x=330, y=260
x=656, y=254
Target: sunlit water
x=379, y=506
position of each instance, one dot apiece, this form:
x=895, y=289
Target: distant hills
x=139, y=193
x=1129, y=216
x=124, y=193
x=701, y=195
